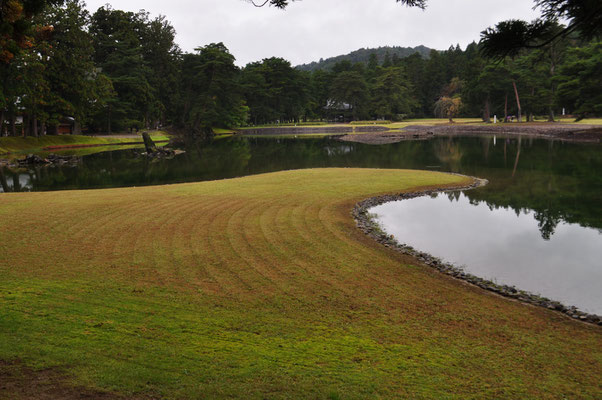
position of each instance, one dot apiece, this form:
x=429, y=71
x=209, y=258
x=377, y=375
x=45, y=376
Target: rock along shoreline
x=370, y=227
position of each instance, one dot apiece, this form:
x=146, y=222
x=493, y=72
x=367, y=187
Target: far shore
x=550, y=130
x=386, y=132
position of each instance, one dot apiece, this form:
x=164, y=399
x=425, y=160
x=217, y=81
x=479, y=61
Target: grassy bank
x=396, y=126
x=22, y=145
x=261, y=287
x=479, y=121
x=388, y=124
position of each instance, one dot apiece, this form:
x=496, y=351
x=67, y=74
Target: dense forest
x=113, y=71
x=393, y=53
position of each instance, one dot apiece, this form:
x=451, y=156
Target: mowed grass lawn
x=261, y=287
x=20, y=145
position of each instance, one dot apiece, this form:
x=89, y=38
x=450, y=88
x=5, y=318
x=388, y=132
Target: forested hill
x=363, y=55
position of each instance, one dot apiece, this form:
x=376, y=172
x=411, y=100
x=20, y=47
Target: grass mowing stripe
x=212, y=265
x=313, y=241
x=167, y=227
x=253, y=242
x=351, y=321
x=290, y=269
x=239, y=246
x=190, y=262
x=201, y=256
x=233, y=284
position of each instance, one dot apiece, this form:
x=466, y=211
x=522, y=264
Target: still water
x=544, y=197
x=503, y=246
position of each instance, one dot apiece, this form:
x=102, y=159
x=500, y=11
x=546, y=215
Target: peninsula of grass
x=260, y=287
x=23, y=145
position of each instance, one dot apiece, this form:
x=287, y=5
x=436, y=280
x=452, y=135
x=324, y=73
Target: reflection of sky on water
x=24, y=180
x=502, y=246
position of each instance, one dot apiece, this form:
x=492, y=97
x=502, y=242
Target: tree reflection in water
x=558, y=181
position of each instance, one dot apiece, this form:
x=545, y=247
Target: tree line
x=113, y=71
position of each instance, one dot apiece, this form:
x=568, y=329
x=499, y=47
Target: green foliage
x=118, y=52
x=118, y=70
x=275, y=91
x=17, y=29
x=350, y=88
x=211, y=94
x=162, y=56
x=367, y=56
x=392, y=94
x=76, y=86
x=509, y=38
x=580, y=80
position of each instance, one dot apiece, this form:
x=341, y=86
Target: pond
x=503, y=246
x=552, y=189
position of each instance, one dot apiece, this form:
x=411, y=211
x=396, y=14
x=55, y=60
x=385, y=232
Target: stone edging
x=371, y=228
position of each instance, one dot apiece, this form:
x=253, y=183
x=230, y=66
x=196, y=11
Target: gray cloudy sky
x=311, y=29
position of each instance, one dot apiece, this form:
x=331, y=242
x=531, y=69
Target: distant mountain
x=363, y=55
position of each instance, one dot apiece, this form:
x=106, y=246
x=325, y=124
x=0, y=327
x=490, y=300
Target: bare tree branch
x=284, y=3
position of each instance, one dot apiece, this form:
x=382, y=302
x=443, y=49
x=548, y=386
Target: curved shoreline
x=591, y=134
x=366, y=224
x=382, y=134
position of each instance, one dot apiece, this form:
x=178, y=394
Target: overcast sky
x=310, y=29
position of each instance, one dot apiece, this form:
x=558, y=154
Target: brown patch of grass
x=18, y=382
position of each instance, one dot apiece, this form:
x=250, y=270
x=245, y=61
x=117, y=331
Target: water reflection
x=558, y=181
x=502, y=245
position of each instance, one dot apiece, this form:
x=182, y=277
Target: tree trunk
x=487, y=112
x=506, y=109
x=34, y=126
x=553, y=88
x=531, y=116
x=16, y=182
x=12, y=123
x=77, y=128
x=520, y=117
x=551, y=114
x=109, y=121
x=148, y=143
x=3, y=181
x=1, y=123
x=517, y=157
x=25, y=125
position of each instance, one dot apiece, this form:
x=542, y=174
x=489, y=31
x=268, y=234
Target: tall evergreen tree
x=349, y=87
x=76, y=87
x=275, y=91
x=118, y=52
x=391, y=94
x=211, y=92
x=580, y=81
